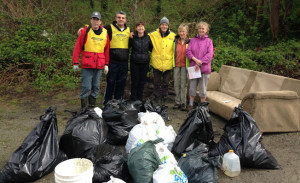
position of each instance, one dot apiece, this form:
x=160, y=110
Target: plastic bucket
x=77, y=170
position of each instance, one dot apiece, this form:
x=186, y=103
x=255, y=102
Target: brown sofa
x=272, y=100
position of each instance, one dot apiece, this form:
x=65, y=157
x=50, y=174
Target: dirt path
x=19, y=114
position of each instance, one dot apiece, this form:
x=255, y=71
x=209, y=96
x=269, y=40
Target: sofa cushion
x=233, y=80
x=214, y=82
x=221, y=103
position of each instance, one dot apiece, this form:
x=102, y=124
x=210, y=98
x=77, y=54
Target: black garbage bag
x=112, y=112
x=131, y=105
x=83, y=132
x=197, y=126
x=143, y=160
x=198, y=166
x=120, y=116
x=38, y=155
x=161, y=110
x=243, y=136
x=108, y=161
x=118, y=132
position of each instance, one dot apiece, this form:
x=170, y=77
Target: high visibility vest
x=95, y=43
x=119, y=39
x=162, y=53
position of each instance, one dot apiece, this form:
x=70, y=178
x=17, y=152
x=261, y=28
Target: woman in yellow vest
x=93, y=42
x=161, y=59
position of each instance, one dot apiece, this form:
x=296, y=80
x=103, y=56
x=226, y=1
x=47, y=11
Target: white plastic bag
x=140, y=134
x=164, y=154
x=151, y=117
x=169, y=173
x=115, y=180
x=168, y=134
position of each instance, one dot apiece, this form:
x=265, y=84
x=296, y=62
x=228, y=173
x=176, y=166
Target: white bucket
x=77, y=170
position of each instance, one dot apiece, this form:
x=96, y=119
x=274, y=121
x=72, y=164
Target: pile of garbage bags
x=151, y=148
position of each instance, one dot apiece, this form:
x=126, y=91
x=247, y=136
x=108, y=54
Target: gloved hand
x=75, y=68
x=105, y=69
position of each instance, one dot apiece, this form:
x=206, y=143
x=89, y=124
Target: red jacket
x=90, y=59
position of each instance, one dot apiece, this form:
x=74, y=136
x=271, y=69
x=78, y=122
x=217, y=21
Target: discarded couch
x=272, y=100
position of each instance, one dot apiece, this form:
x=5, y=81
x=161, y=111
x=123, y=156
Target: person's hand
x=198, y=62
x=75, y=68
x=105, y=69
x=79, y=31
x=197, y=68
x=131, y=35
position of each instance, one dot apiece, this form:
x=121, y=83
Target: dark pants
x=138, y=79
x=161, y=82
x=116, y=81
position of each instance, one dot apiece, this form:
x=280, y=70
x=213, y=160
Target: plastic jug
x=231, y=164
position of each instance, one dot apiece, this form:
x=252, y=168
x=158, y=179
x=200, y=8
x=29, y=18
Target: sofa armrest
x=287, y=95
x=274, y=111
x=214, y=82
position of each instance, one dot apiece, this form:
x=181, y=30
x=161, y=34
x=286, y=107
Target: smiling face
x=182, y=33
x=164, y=27
x=121, y=20
x=202, y=30
x=140, y=29
x=95, y=23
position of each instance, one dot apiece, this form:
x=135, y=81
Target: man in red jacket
x=93, y=42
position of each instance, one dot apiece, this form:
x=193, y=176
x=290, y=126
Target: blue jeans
x=116, y=81
x=90, y=82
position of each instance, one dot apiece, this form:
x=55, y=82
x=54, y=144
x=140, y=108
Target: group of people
x=107, y=49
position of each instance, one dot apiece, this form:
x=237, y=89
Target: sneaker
x=176, y=106
x=183, y=107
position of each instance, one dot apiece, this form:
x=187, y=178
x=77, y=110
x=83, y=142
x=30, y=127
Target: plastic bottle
x=231, y=164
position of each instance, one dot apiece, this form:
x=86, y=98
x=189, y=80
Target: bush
x=281, y=59
x=34, y=47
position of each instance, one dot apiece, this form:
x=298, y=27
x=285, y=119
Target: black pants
x=138, y=80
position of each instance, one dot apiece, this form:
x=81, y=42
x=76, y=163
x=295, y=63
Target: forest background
x=38, y=36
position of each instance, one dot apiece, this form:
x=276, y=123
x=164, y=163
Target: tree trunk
x=259, y=4
x=274, y=17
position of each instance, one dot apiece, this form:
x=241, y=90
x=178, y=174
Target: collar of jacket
x=115, y=24
x=166, y=34
x=201, y=37
x=136, y=34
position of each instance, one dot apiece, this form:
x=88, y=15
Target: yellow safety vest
x=119, y=39
x=162, y=53
x=96, y=43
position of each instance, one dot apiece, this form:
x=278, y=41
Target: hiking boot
x=183, y=107
x=92, y=101
x=176, y=106
x=189, y=108
x=83, y=103
x=163, y=101
x=156, y=101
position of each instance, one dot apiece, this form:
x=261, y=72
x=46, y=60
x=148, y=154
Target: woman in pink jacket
x=200, y=54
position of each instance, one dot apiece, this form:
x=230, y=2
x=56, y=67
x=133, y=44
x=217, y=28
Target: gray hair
x=205, y=24
x=184, y=27
x=121, y=12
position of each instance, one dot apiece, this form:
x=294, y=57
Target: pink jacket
x=201, y=47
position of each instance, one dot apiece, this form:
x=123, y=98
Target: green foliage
x=37, y=48
x=37, y=40
x=281, y=59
